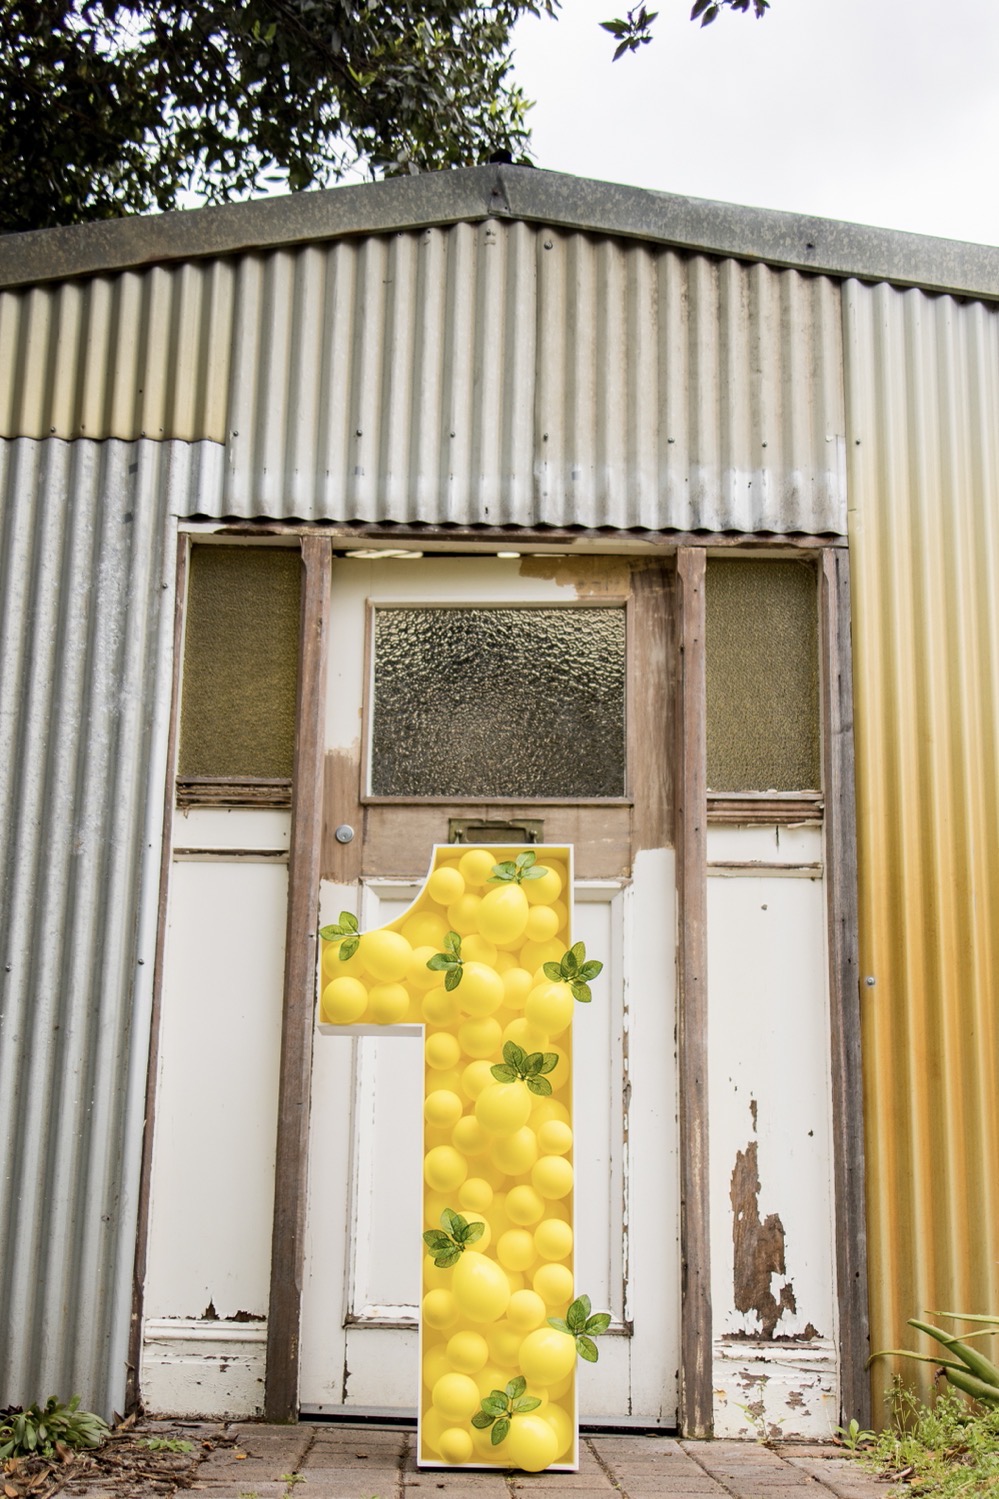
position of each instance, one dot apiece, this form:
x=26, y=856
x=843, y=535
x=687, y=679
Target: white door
x=468, y=639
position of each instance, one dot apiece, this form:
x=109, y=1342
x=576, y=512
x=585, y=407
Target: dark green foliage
x=116, y=106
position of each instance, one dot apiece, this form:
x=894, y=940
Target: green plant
x=449, y=962
x=584, y=1327
x=968, y=1370
x=501, y=1406
x=852, y=1437
x=947, y=1450
x=450, y=1241
x=291, y=1479
x=39, y=1431
x=515, y=871
x=517, y=1064
x=167, y=1444
x=345, y=928
x=574, y=970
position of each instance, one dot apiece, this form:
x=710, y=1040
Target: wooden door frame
x=691, y=813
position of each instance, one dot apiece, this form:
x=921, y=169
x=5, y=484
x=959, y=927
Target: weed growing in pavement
x=166, y=1444
x=942, y=1451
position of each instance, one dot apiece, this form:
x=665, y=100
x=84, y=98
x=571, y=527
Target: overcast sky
x=876, y=111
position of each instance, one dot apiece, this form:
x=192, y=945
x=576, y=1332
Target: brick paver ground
x=313, y=1461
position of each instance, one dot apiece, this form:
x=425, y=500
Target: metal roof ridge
x=470, y=194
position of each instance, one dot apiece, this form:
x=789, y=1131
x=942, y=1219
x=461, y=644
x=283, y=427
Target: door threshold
x=395, y=1420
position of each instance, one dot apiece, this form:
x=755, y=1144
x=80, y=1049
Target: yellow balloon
x=548, y=888
x=461, y=914
x=480, y=991
x=503, y=1108
x=526, y=1310
x=480, y=1038
x=446, y=884
x=504, y=1343
x=388, y=1004
x=554, y=1137
x=425, y=929
x=553, y=1283
x=553, y=1239
x=562, y=1425
x=476, y=866
x=480, y=1287
x=469, y=1137
x=439, y=1007
x=542, y=923
x=386, y=955
x=515, y=1249
x=442, y=1108
x=517, y=985
x=435, y=1365
x=524, y=1205
x=467, y=1351
x=456, y=1396
x=345, y=1000
x=476, y=1077
x=444, y=1168
x=549, y=1007
x=440, y=1310
x=476, y=949
x=455, y=1445
x=475, y=1194
x=551, y=1176
x=531, y=1444
x=503, y=914
x=547, y=1355
x=515, y=1154
x=441, y=1050
x=418, y=975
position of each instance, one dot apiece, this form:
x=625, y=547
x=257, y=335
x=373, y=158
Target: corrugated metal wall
x=923, y=444
x=484, y=374
x=86, y=613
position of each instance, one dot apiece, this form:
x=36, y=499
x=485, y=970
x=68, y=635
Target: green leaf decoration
x=452, y=1221
x=559, y=1323
x=554, y=972
x=598, y=1323
x=448, y=1257
x=540, y=1085
x=526, y=1403
x=534, y=1063
x=582, y=993
x=435, y=1239
x=440, y=962
x=503, y=873
x=514, y=1055
x=577, y=953
x=590, y=970
x=452, y=978
x=348, y=947
x=495, y=1404
x=482, y=1419
x=550, y=1061
x=503, y=1074
x=500, y=1430
x=473, y=1232
x=586, y=1348
x=524, y=867
x=537, y=873
x=516, y=1387
x=452, y=944
x=578, y=1313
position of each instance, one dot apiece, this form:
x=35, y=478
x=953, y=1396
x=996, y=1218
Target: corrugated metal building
x=632, y=393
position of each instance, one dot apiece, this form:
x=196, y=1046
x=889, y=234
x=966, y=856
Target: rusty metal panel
x=86, y=614
x=508, y=374
x=922, y=381
x=141, y=354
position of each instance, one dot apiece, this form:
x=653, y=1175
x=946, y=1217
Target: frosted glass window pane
x=240, y=663
x=762, y=676
x=499, y=702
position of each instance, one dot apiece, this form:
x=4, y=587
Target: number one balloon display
x=484, y=961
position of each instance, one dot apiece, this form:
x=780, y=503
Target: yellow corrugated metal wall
x=922, y=376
